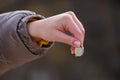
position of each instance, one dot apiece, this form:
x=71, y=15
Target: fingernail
x=76, y=43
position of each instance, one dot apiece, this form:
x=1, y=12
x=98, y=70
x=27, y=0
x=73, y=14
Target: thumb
x=67, y=39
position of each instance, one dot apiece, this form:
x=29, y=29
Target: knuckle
x=83, y=31
x=71, y=12
x=67, y=17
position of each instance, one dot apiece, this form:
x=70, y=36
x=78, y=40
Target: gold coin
x=79, y=51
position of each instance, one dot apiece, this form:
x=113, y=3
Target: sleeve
x=16, y=45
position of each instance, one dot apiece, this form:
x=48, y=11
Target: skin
x=54, y=29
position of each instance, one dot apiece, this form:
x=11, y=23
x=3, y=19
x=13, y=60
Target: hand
x=54, y=29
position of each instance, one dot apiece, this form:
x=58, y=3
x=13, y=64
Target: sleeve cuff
x=27, y=40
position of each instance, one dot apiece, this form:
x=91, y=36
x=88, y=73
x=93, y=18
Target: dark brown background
x=101, y=60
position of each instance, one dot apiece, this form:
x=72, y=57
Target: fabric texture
x=16, y=45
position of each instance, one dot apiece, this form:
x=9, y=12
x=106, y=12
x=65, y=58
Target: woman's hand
x=54, y=29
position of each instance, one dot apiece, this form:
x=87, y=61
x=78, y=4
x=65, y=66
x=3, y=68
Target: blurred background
x=101, y=60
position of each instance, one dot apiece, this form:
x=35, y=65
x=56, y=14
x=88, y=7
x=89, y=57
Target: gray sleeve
x=16, y=46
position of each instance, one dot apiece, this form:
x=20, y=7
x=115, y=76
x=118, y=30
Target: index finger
x=78, y=23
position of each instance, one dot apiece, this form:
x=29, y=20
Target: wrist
x=33, y=33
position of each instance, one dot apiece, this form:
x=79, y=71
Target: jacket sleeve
x=16, y=45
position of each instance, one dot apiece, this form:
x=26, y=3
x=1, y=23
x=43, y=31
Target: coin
x=79, y=51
